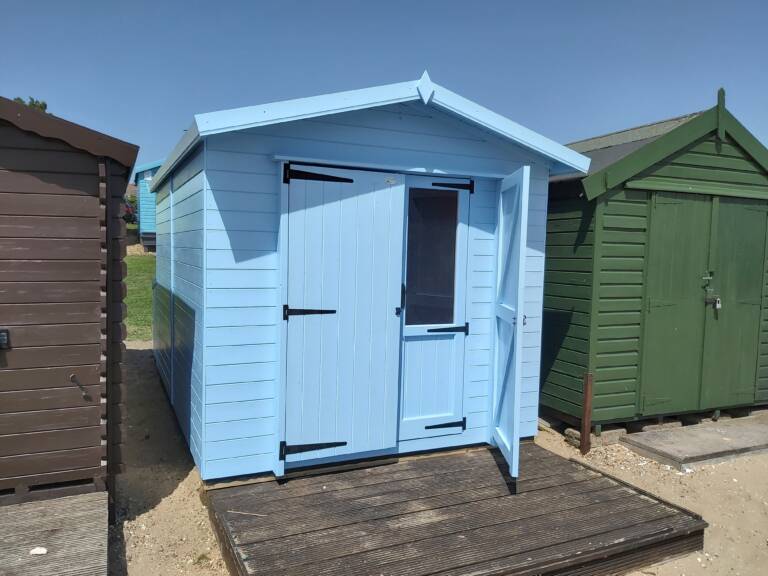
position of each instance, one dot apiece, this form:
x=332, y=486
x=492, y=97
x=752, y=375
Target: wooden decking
x=72, y=529
x=452, y=513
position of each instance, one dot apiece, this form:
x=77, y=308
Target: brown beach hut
x=62, y=243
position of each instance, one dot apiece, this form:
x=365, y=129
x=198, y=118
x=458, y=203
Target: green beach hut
x=656, y=285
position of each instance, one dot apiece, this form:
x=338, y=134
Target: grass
x=141, y=272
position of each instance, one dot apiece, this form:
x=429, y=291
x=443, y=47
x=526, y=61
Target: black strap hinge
x=464, y=329
x=288, y=449
x=462, y=423
x=288, y=311
x=294, y=174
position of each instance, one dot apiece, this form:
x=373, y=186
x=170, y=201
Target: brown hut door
x=732, y=310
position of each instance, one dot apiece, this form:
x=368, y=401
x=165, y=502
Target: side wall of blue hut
x=146, y=201
x=179, y=296
x=220, y=336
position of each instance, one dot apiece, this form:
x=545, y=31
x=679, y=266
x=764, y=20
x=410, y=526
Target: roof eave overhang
x=564, y=160
x=148, y=166
x=619, y=172
x=304, y=108
x=183, y=147
x=76, y=135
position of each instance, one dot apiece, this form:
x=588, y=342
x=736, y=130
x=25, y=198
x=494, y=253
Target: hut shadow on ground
x=155, y=455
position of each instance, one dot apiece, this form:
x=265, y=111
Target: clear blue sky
x=569, y=69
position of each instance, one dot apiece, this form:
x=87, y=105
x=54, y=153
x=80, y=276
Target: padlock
x=718, y=303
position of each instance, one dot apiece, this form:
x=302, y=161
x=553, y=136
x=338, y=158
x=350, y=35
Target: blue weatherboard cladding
x=145, y=200
x=219, y=248
x=179, y=296
x=162, y=291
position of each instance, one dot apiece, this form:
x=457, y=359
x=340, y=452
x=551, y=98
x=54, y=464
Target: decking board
x=438, y=515
x=298, y=544
x=72, y=529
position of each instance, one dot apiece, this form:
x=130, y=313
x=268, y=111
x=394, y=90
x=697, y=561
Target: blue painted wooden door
x=510, y=294
x=434, y=323
x=345, y=256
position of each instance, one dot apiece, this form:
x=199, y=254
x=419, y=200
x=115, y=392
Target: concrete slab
x=607, y=437
x=692, y=446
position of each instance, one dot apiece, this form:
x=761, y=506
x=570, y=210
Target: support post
x=586, y=418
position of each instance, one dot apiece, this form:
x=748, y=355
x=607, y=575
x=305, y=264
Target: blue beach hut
x=145, y=201
x=352, y=275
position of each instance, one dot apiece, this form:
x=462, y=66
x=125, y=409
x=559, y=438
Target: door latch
x=83, y=390
x=5, y=339
x=399, y=309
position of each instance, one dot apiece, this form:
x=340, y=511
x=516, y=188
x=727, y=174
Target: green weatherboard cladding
x=634, y=252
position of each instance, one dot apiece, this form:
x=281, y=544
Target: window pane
x=430, y=274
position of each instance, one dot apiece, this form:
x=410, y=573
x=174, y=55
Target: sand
x=731, y=496
x=162, y=527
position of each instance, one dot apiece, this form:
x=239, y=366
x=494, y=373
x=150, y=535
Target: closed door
x=734, y=296
x=344, y=277
x=703, y=300
x=434, y=316
x=674, y=323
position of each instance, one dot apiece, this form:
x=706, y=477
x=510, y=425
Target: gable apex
x=633, y=158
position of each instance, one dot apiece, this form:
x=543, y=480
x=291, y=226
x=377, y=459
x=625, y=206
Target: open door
x=510, y=292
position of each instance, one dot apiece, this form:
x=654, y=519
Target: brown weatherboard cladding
x=611, y=307
x=62, y=243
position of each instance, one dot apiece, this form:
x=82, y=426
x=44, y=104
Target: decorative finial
x=425, y=88
x=721, y=114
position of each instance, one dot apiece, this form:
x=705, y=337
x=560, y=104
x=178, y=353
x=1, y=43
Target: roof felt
x=610, y=148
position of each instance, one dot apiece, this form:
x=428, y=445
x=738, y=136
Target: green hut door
x=731, y=332
x=703, y=297
x=674, y=321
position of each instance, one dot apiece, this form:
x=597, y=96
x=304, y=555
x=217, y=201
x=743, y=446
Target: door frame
x=278, y=465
